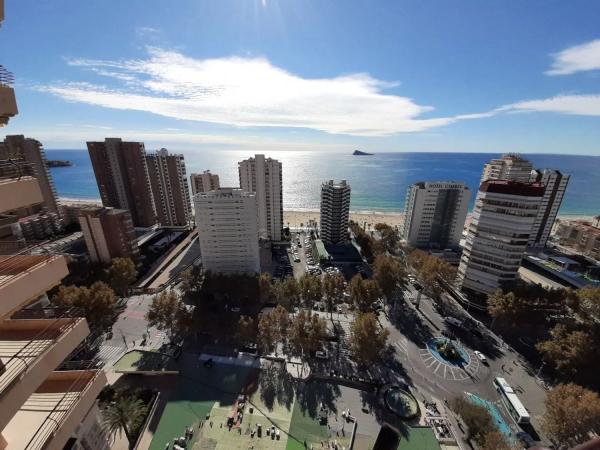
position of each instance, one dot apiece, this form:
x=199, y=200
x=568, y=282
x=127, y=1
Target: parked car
x=321, y=354
x=480, y=356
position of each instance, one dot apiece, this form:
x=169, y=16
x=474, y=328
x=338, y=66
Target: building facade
x=511, y=167
x=42, y=401
x=435, y=213
x=204, y=182
x=581, y=236
x=555, y=184
x=497, y=238
x=170, y=188
x=227, y=224
x=263, y=176
x=32, y=152
x=123, y=179
x=335, y=212
x=108, y=234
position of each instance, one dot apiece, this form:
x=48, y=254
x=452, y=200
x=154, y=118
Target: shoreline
x=295, y=217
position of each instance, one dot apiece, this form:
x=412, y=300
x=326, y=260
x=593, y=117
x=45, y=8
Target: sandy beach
x=370, y=218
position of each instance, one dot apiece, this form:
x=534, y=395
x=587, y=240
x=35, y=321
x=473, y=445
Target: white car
x=481, y=356
x=321, y=354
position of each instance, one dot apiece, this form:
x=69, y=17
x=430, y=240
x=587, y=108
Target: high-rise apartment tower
x=435, y=213
x=123, y=180
x=170, y=188
x=204, y=182
x=264, y=177
x=335, y=212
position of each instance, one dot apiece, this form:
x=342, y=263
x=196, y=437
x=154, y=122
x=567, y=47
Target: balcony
x=34, y=342
x=50, y=415
x=18, y=186
x=8, y=102
x=25, y=277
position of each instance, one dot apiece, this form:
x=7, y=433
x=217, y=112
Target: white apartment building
x=227, y=224
x=435, y=213
x=501, y=226
x=509, y=167
x=204, y=182
x=169, y=188
x=264, y=177
x=555, y=184
x=335, y=211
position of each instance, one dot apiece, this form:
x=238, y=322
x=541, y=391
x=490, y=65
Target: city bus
x=511, y=401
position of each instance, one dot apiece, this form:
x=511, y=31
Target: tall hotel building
x=501, y=226
x=335, y=211
x=42, y=401
x=204, y=182
x=264, y=177
x=435, y=214
x=509, y=167
x=555, y=184
x=123, y=179
x=108, y=234
x=227, y=224
x=170, y=188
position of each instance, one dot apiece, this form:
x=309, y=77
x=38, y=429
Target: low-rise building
x=108, y=234
x=581, y=236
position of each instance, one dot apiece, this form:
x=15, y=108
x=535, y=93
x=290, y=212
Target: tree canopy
x=478, y=420
x=389, y=274
x=572, y=414
x=333, y=288
x=121, y=274
x=306, y=332
x=363, y=293
x=310, y=289
x=98, y=303
x=287, y=293
x=569, y=351
x=367, y=339
x=125, y=414
x=169, y=314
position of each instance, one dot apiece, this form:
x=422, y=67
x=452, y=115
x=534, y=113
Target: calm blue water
x=378, y=182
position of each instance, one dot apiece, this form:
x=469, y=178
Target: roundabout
x=449, y=360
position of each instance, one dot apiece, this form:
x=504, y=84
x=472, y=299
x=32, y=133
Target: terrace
x=51, y=413
x=32, y=343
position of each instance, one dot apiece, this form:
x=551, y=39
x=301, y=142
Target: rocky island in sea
x=59, y=163
x=359, y=153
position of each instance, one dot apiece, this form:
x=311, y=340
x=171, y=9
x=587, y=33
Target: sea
x=379, y=182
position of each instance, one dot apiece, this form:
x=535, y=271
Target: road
x=129, y=331
x=412, y=329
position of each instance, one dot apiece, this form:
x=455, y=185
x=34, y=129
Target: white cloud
x=249, y=92
x=581, y=105
x=579, y=58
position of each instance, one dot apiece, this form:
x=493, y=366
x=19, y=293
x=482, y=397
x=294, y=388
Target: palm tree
x=125, y=414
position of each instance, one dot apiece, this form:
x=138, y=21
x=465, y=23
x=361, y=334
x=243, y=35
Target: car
x=480, y=356
x=296, y=259
x=321, y=354
x=453, y=321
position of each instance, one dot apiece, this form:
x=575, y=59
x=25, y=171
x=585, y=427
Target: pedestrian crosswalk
x=110, y=353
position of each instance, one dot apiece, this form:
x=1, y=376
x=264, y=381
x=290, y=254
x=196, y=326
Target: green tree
x=507, y=308
x=494, y=440
x=364, y=240
x=267, y=332
x=169, y=314
x=567, y=350
x=121, y=274
x=287, y=293
x=389, y=237
x=310, y=289
x=125, y=414
x=431, y=272
x=367, y=339
x=246, y=330
x=191, y=281
x=306, y=333
x=478, y=420
x=389, y=274
x=98, y=303
x=333, y=289
x=589, y=299
x=265, y=287
x=572, y=415
x=363, y=293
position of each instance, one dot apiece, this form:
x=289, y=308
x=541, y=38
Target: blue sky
x=489, y=76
